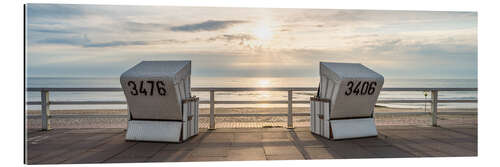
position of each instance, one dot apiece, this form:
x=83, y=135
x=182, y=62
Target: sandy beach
x=467, y=116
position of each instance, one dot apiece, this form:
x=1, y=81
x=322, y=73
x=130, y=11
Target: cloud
x=73, y=40
x=42, y=30
x=383, y=20
x=443, y=50
x=131, y=43
x=420, y=49
x=53, y=11
x=144, y=27
x=383, y=45
x=229, y=38
x=85, y=42
x=114, y=43
x=210, y=25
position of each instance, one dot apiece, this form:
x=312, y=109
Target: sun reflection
x=263, y=95
x=264, y=105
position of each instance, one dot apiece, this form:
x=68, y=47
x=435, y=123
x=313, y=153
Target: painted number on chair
x=360, y=88
x=147, y=88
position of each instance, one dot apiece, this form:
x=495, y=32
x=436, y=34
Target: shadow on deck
x=109, y=145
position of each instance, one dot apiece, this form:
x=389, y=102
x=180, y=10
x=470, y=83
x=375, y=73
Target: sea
x=113, y=82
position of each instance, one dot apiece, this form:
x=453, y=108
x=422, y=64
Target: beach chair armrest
x=315, y=98
x=190, y=109
x=194, y=98
x=321, y=116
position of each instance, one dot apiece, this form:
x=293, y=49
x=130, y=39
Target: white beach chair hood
x=334, y=82
x=175, y=76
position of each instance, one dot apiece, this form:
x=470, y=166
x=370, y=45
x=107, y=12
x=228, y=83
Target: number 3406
x=360, y=88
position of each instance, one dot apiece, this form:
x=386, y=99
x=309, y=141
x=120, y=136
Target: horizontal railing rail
x=247, y=102
x=201, y=89
x=45, y=102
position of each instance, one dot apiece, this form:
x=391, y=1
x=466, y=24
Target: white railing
x=45, y=102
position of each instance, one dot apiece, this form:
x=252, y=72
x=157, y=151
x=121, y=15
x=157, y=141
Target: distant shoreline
x=394, y=116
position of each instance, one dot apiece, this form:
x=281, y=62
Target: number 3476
x=360, y=88
x=139, y=88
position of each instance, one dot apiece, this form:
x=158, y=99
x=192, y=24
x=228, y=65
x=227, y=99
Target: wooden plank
x=205, y=158
x=285, y=157
x=169, y=156
x=426, y=145
x=94, y=141
x=247, y=140
x=388, y=151
x=348, y=149
x=104, y=151
x=46, y=156
x=226, y=138
x=63, y=142
x=299, y=145
x=452, y=142
x=139, y=152
x=319, y=153
x=210, y=151
x=75, y=150
x=242, y=153
x=275, y=136
x=472, y=132
x=410, y=146
x=288, y=150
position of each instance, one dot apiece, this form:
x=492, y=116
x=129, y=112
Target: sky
x=106, y=40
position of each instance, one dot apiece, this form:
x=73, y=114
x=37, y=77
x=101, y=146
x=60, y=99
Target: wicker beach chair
x=343, y=107
x=159, y=101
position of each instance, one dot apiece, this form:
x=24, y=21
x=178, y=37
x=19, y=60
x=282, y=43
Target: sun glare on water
x=263, y=94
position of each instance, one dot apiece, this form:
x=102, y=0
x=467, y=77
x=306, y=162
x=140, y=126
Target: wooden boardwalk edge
x=75, y=146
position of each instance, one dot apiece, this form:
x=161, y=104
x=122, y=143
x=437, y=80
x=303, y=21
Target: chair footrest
x=353, y=128
x=161, y=131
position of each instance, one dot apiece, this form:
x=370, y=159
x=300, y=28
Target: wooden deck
x=109, y=145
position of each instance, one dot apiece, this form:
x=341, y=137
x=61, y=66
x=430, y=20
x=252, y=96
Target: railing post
x=212, y=110
x=290, y=112
x=434, y=94
x=45, y=110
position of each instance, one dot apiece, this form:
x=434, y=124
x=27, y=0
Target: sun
x=264, y=83
x=263, y=32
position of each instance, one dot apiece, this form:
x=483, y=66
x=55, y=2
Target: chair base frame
x=338, y=129
x=175, y=131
